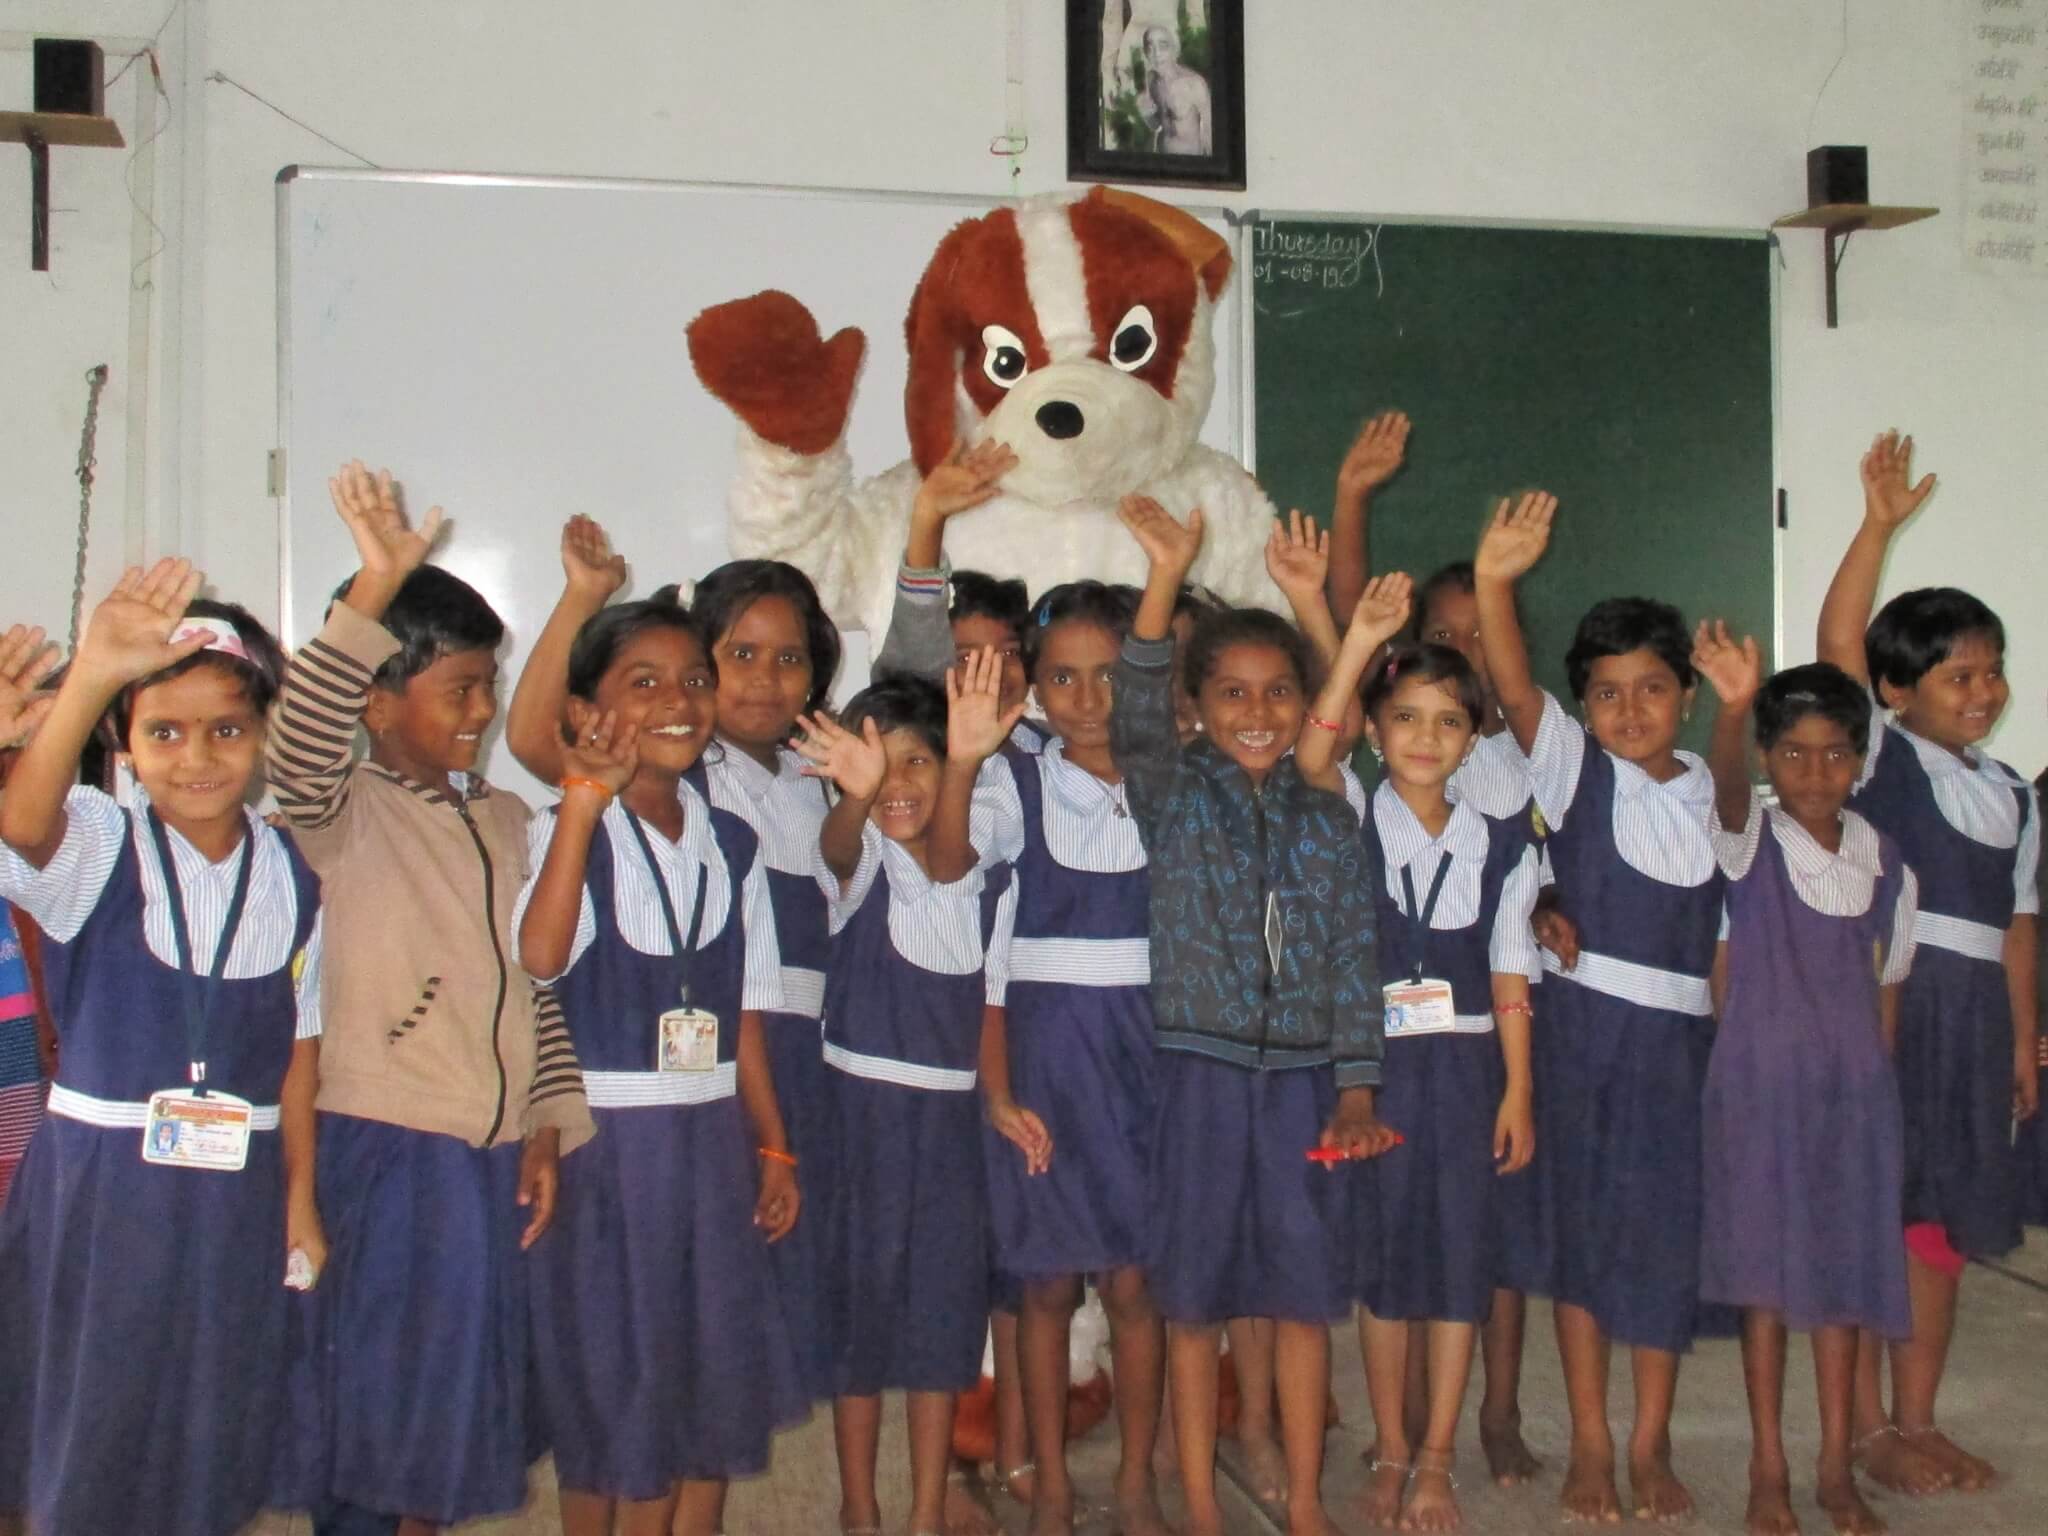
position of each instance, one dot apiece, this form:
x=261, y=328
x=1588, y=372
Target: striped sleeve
x=761, y=987
x=311, y=746
x=2026, y=868
x=1511, y=949
x=556, y=1099
x=1898, y=955
x=995, y=965
x=1556, y=758
x=306, y=983
x=920, y=638
x=843, y=901
x=540, y=833
x=62, y=894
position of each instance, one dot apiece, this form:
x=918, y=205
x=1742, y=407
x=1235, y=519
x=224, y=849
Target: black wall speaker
x=1837, y=173
x=70, y=76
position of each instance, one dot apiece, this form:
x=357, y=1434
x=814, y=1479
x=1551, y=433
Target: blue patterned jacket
x=1217, y=847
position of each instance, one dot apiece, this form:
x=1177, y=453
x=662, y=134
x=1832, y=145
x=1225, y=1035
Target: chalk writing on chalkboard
x=1293, y=261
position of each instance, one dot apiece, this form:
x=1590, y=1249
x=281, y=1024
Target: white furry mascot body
x=1075, y=330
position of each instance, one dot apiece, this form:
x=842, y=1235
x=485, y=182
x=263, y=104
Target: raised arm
x=976, y=724
x=1298, y=560
x=1508, y=551
x=1143, y=739
x=1890, y=498
x=591, y=574
x=1373, y=459
x=594, y=771
x=1736, y=671
x=26, y=659
x=311, y=745
x=856, y=764
x=920, y=638
x=128, y=637
x=1382, y=613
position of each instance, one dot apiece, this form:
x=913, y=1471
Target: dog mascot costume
x=1075, y=330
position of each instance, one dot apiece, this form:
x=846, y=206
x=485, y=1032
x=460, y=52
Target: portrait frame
x=1120, y=130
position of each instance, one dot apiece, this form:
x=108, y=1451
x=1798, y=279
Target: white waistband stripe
x=1460, y=1024
x=1980, y=941
x=1644, y=985
x=903, y=1074
x=1082, y=962
x=641, y=1090
x=127, y=1115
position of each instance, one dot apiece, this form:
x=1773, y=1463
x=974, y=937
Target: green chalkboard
x=1628, y=373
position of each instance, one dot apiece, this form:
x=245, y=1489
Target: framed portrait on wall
x=1155, y=92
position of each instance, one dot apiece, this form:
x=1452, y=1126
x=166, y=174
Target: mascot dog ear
x=931, y=332
x=1204, y=249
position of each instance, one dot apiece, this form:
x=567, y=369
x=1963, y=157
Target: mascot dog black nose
x=1060, y=419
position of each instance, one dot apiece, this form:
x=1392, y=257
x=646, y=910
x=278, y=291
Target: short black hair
x=1623, y=624
x=605, y=633
x=1432, y=664
x=1818, y=688
x=978, y=595
x=1455, y=577
x=1914, y=633
x=722, y=598
x=900, y=702
x=1194, y=601
x=434, y=614
x=1077, y=602
x=1218, y=630
x=261, y=676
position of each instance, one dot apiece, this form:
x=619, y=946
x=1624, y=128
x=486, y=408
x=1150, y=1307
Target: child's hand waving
x=1382, y=612
x=1025, y=1131
x=855, y=763
x=592, y=570
x=1298, y=558
x=1169, y=544
x=129, y=633
x=1515, y=541
x=25, y=660
x=976, y=722
x=963, y=480
x=368, y=504
x=1736, y=669
x=1889, y=494
x=600, y=750
x=1375, y=456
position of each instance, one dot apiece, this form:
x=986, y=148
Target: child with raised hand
x=1266, y=997
x=905, y=1259
x=1454, y=907
x=662, y=1360
x=182, y=944
x=446, y=1093
x=774, y=654
x=1801, y=1119
x=1623, y=1049
x=1069, y=1064
x=26, y=661
x=1971, y=830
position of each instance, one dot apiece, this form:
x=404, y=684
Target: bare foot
x=1837, y=1495
x=1049, y=1518
x=1385, y=1484
x=1770, y=1503
x=1659, y=1494
x=1589, y=1495
x=967, y=1511
x=1268, y=1469
x=1136, y=1512
x=1020, y=1482
x=1893, y=1463
x=1313, y=1520
x=1432, y=1495
x=1509, y=1460
x=1967, y=1473
x=1206, y=1522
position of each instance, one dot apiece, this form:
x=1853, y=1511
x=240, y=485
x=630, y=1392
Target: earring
x=1377, y=755
x=1685, y=715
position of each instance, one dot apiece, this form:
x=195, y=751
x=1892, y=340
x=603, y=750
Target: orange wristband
x=1513, y=1008
x=774, y=1156
x=573, y=782
x=1324, y=725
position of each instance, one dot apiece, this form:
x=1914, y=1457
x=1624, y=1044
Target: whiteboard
x=512, y=349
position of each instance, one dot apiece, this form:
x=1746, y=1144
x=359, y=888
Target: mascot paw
x=765, y=358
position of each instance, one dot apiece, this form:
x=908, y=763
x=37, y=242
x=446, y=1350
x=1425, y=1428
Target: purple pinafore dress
x=1801, y=1124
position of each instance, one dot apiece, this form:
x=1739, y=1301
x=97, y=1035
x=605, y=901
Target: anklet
x=1863, y=1443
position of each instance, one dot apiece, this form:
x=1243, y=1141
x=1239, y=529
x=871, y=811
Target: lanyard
x=1420, y=926
x=199, y=989
x=668, y=909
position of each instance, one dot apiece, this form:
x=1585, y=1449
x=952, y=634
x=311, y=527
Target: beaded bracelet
x=1512, y=1008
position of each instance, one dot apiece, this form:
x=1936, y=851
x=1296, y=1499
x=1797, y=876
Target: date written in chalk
x=1318, y=258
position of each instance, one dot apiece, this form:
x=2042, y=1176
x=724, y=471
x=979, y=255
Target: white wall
x=1626, y=111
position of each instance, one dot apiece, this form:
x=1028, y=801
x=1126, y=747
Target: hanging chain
x=95, y=377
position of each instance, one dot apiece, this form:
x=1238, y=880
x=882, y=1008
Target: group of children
x=408, y=1134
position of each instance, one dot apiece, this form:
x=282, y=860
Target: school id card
x=186, y=1130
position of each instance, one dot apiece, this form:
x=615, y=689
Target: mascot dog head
x=1075, y=331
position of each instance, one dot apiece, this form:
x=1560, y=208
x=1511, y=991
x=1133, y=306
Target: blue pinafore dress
x=906, y=1257
x=1425, y=1215
x=144, y=1306
x=658, y=1339
x=1082, y=1056
x=1619, y=1079
x=1955, y=1048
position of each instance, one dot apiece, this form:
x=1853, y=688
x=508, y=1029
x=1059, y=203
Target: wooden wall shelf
x=39, y=130
x=1838, y=221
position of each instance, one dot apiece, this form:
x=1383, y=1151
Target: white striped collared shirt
x=1664, y=831
x=785, y=808
x=1494, y=778
x=1087, y=822
x=935, y=927
x=642, y=925
x=1974, y=794
x=63, y=894
x=1839, y=884
x=1511, y=947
